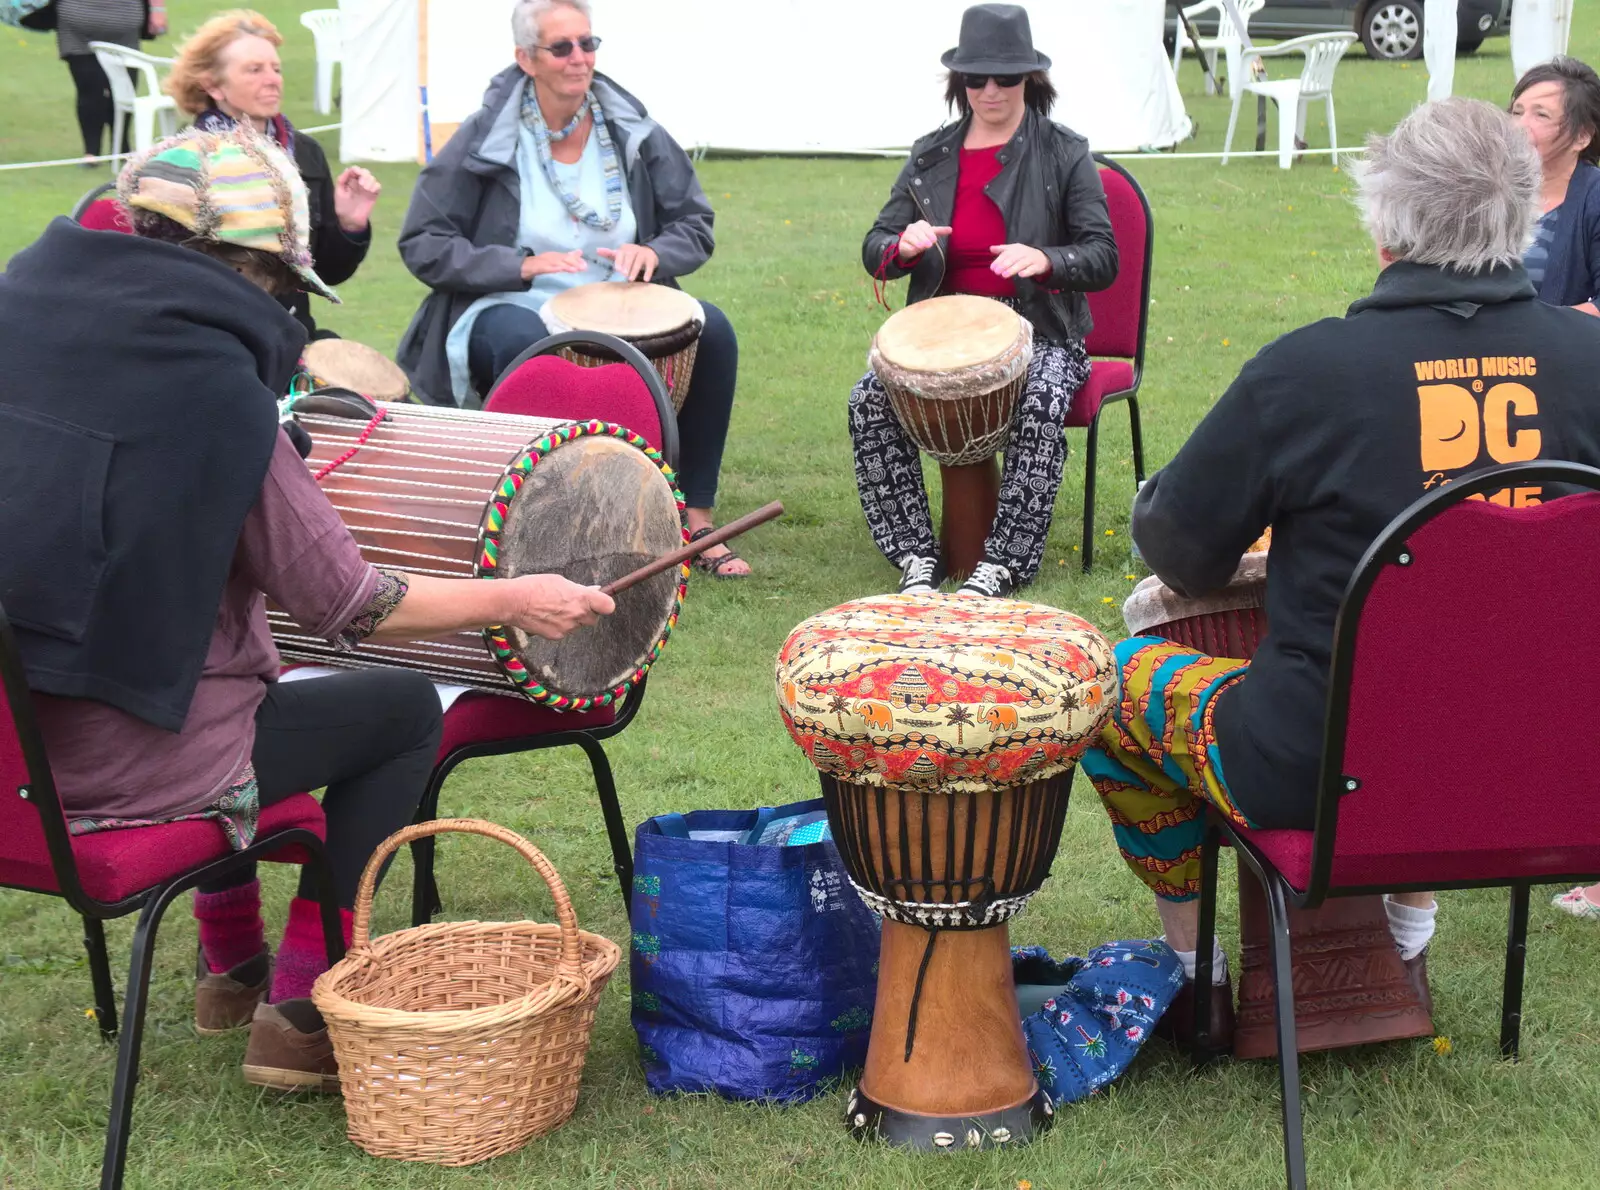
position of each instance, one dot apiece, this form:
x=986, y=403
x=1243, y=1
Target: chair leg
x=425, y=900
x=611, y=809
x=1137, y=433
x=1516, y=957
x=1287, y=122
x=105, y=993
x=127, y=1077
x=1333, y=131
x=1233, y=122
x=328, y=903
x=1294, y=1144
x=1204, y=1051
x=1090, y=453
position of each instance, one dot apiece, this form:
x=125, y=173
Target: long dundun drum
x=662, y=322
x=946, y=729
x=469, y=495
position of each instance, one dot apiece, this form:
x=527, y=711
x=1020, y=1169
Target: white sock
x=1411, y=928
x=1219, y=963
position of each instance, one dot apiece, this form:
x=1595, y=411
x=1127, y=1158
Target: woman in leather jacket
x=1005, y=204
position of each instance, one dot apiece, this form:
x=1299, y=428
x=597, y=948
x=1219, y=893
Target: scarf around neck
x=533, y=121
x=279, y=130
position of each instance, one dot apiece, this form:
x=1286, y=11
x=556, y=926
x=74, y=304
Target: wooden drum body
x=461, y=494
x=662, y=322
x=1350, y=985
x=954, y=368
x=946, y=730
x=346, y=364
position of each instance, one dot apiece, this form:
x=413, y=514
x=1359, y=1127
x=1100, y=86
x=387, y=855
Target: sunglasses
x=564, y=47
x=977, y=82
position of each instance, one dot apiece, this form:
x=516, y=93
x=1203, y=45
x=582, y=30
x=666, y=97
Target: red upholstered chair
x=1121, y=318
x=114, y=873
x=99, y=210
x=1460, y=732
x=541, y=384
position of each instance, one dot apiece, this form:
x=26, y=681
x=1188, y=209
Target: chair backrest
x=540, y=383
x=34, y=844
x=326, y=31
x=1122, y=311
x=117, y=60
x=1225, y=25
x=101, y=210
x=1461, y=719
x=1323, y=51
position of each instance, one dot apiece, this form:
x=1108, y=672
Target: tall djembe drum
x=946, y=729
x=1350, y=985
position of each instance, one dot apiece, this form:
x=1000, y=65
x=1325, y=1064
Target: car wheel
x=1392, y=29
x=1462, y=47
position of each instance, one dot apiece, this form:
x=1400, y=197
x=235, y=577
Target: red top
x=976, y=226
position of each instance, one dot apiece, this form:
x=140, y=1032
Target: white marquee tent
x=780, y=76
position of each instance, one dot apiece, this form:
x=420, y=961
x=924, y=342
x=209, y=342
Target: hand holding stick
x=679, y=556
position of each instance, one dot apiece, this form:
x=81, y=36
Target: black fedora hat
x=995, y=39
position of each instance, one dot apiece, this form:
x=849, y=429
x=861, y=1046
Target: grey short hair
x=1456, y=183
x=525, y=18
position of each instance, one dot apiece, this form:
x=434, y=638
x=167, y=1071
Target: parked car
x=1389, y=29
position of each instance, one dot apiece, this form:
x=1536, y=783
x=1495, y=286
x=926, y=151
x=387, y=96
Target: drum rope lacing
x=351, y=453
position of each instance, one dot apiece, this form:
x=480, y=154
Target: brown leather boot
x=1177, y=1023
x=290, y=1050
x=1417, y=969
x=226, y=1000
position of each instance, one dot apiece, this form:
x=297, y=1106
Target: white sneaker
x=919, y=574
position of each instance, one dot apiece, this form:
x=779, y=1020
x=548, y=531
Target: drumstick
x=679, y=556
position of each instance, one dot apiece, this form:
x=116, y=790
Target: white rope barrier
x=100, y=160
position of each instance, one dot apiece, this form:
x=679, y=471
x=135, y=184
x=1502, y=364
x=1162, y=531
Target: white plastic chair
x=140, y=110
x=328, y=34
x=1294, y=96
x=1229, y=41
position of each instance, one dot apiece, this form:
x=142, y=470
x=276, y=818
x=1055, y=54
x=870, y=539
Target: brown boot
x=289, y=1049
x=1177, y=1023
x=1417, y=968
x=226, y=1000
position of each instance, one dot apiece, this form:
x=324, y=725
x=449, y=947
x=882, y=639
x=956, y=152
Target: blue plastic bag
x=1099, y=1010
x=754, y=962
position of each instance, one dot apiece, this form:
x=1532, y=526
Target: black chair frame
x=89, y=199
x=1131, y=393
x=40, y=792
x=425, y=900
x=1391, y=548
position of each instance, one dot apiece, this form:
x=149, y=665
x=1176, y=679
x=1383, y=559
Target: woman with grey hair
x=1448, y=367
x=560, y=179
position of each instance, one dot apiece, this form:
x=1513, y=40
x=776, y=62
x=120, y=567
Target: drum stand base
x=1007, y=1127
x=970, y=498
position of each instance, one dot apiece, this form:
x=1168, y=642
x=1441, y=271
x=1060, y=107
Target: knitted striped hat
x=231, y=187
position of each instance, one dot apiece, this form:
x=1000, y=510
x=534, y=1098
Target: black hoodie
x=1327, y=435
x=137, y=417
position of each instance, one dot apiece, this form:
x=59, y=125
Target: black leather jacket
x=1049, y=192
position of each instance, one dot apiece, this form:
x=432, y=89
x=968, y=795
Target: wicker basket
x=461, y=1041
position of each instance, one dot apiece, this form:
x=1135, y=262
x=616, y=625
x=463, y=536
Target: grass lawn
x=1243, y=254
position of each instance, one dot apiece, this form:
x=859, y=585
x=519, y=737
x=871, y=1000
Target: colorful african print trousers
x=889, y=470
x=1155, y=765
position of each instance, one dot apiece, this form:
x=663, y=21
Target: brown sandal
x=713, y=566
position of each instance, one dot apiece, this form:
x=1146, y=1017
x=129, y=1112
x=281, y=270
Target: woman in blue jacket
x=1558, y=102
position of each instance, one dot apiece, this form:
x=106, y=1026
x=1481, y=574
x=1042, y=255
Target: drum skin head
x=947, y=334
x=595, y=509
x=344, y=363
x=627, y=309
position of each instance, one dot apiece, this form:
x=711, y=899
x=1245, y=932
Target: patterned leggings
x=1155, y=765
x=889, y=471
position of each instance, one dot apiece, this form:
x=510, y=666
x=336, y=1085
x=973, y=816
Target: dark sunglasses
x=564, y=47
x=976, y=82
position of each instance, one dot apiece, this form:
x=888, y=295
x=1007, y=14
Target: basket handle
x=571, y=961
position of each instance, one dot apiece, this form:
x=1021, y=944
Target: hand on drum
x=550, y=606
x=634, y=261
x=1018, y=260
x=354, y=195
x=553, y=262
x=918, y=238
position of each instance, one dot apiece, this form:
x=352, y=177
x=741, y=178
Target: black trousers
x=503, y=332
x=369, y=736
x=95, y=109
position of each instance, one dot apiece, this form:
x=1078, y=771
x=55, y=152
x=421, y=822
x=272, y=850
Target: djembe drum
x=461, y=494
x=954, y=367
x=662, y=322
x=946, y=729
x=1350, y=985
x=346, y=364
